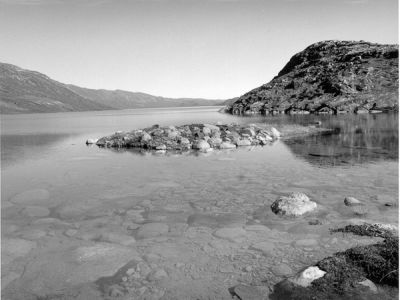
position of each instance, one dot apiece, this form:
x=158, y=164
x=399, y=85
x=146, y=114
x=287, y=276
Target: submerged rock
x=295, y=204
x=150, y=230
x=351, y=201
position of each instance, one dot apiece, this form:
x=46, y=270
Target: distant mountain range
x=330, y=77
x=25, y=91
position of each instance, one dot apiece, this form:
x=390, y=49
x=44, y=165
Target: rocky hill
x=329, y=77
x=25, y=91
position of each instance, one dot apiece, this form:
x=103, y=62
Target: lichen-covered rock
x=295, y=204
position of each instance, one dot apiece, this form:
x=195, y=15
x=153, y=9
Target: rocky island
x=329, y=77
x=202, y=137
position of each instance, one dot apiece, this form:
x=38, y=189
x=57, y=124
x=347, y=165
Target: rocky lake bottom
x=83, y=222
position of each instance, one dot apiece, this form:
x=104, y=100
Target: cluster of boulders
x=202, y=137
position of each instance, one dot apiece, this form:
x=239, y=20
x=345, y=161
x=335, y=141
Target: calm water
x=88, y=186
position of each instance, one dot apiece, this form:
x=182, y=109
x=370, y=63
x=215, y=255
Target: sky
x=216, y=49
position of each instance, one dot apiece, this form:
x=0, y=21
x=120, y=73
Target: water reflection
x=355, y=140
x=20, y=147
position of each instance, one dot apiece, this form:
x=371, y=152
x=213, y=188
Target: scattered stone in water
x=157, y=275
x=351, y=201
x=36, y=211
x=267, y=248
x=32, y=197
x=295, y=204
x=118, y=238
x=150, y=230
x=231, y=234
x=245, y=292
x=282, y=270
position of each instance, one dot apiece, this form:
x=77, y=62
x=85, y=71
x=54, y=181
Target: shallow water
x=64, y=204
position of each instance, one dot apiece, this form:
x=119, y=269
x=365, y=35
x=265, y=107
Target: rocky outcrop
x=329, y=77
x=200, y=137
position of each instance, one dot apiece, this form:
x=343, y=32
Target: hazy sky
x=180, y=48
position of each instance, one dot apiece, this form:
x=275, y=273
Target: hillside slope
x=25, y=91
x=329, y=77
x=123, y=99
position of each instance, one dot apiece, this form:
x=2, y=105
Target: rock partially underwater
x=202, y=137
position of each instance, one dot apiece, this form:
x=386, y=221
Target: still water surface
x=47, y=152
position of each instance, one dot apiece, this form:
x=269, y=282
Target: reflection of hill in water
x=357, y=139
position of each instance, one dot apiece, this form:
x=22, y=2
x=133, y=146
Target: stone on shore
x=296, y=204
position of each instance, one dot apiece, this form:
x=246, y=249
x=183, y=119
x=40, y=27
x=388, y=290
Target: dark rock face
x=329, y=77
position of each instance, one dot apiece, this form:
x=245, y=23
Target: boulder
x=243, y=142
x=295, y=204
x=201, y=145
x=91, y=141
x=275, y=133
x=227, y=145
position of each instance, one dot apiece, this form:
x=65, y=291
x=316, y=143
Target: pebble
x=306, y=242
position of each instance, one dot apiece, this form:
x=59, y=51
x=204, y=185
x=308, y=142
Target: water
x=64, y=204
